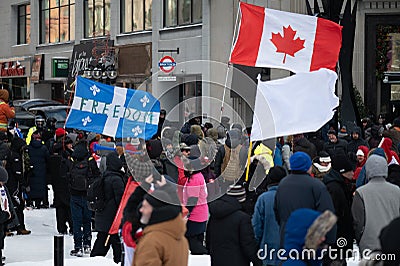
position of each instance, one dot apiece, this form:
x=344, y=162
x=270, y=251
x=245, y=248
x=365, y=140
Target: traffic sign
x=167, y=64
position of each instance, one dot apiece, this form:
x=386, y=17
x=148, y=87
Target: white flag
x=297, y=104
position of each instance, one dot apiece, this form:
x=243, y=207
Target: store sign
x=167, y=64
x=37, y=73
x=12, y=69
x=84, y=54
x=166, y=78
x=60, y=67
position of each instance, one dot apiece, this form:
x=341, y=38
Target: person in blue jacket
x=266, y=228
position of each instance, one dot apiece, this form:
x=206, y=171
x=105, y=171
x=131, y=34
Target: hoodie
x=163, y=243
x=295, y=234
x=362, y=179
x=378, y=198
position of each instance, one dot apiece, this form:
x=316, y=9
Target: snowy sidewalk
x=36, y=249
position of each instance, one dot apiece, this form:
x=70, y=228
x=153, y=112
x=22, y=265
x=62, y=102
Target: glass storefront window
x=393, y=53
x=57, y=21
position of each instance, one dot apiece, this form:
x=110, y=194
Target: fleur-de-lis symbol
x=86, y=120
x=145, y=100
x=136, y=131
x=94, y=89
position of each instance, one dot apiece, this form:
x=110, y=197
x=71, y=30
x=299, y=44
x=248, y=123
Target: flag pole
x=248, y=160
x=229, y=65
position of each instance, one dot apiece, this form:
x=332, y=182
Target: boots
x=23, y=231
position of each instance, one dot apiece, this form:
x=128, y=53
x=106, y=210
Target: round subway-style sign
x=167, y=64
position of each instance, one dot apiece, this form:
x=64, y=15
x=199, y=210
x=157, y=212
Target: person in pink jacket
x=195, y=199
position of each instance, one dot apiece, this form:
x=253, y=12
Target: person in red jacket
x=6, y=112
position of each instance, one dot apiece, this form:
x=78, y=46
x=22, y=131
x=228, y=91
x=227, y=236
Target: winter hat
x=332, y=131
x=113, y=162
x=396, y=122
x=196, y=130
x=212, y=133
x=360, y=153
x=183, y=146
x=158, y=199
x=60, y=132
x=165, y=205
x=276, y=174
x=324, y=157
x=300, y=161
x=238, y=192
x=140, y=170
x=376, y=166
x=3, y=175
x=341, y=164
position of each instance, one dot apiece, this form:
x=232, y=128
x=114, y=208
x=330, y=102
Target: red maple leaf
x=287, y=44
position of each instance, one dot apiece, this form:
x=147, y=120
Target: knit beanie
x=3, y=175
x=341, y=164
x=238, y=192
x=60, y=132
x=276, y=174
x=376, y=166
x=300, y=161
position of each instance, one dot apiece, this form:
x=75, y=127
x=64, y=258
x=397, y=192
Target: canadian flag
x=278, y=39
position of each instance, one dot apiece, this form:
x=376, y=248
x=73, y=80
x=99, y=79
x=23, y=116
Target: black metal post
x=59, y=250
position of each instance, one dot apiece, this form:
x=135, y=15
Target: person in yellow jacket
x=39, y=126
x=6, y=112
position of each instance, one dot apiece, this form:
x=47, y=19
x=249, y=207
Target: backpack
x=79, y=175
x=231, y=170
x=96, y=196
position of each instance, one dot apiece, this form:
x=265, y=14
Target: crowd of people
x=192, y=192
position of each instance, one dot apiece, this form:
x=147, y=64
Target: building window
x=136, y=15
x=57, y=21
x=24, y=24
x=97, y=18
x=182, y=12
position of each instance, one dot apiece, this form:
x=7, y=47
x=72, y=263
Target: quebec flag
x=113, y=111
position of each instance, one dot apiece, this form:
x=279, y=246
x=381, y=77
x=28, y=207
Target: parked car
x=59, y=112
x=25, y=105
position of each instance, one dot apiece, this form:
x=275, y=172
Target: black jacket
x=230, y=236
x=113, y=190
x=342, y=199
x=297, y=191
x=38, y=155
x=340, y=147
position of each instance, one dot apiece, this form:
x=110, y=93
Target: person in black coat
x=230, y=237
x=39, y=155
x=18, y=169
x=337, y=182
x=58, y=170
x=300, y=190
x=113, y=190
x=335, y=145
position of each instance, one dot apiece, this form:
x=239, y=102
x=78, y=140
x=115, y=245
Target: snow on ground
x=36, y=249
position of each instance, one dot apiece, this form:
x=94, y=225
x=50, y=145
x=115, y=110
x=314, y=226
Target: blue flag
x=113, y=111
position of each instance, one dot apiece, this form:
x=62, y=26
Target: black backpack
x=96, y=196
x=79, y=175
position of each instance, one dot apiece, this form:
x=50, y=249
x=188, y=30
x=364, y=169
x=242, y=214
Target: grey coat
x=375, y=205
